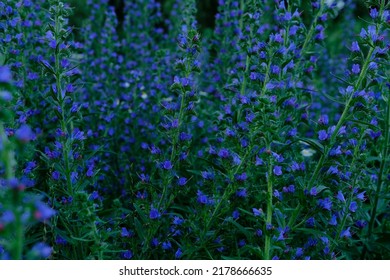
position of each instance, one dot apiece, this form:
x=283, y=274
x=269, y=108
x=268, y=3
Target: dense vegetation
x=130, y=131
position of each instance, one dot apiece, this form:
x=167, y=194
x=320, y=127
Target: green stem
x=19, y=238
x=175, y=139
x=355, y=171
x=243, y=85
x=266, y=77
x=347, y=107
x=384, y=156
x=267, y=249
x=227, y=192
x=342, y=119
x=9, y=164
x=60, y=100
x=67, y=128
x=343, y=221
x=244, y=81
x=312, y=28
x=382, y=168
x=347, y=205
x=176, y=136
x=242, y=8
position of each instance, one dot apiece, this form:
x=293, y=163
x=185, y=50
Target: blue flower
x=30, y=166
x=361, y=223
x=178, y=253
x=325, y=203
x=283, y=233
x=323, y=120
x=223, y=153
x=295, y=166
x=7, y=217
x=356, y=68
x=355, y=47
x=126, y=233
x=236, y=214
x=144, y=177
x=333, y=220
x=374, y=13
x=322, y=135
x=278, y=157
x=177, y=220
x=60, y=240
x=372, y=66
x=254, y=76
x=95, y=195
x=278, y=170
x=207, y=175
x=278, y=195
x=142, y=195
x=154, y=242
x=166, y=245
x=275, y=69
x=324, y=240
x=128, y=254
x=241, y=193
x=41, y=250
x=312, y=242
x=299, y=252
x=335, y=151
x=257, y=212
x=310, y=222
x=182, y=181
x=370, y=33
x=340, y=196
x=43, y=212
x=259, y=161
x=293, y=30
x=291, y=188
x=185, y=136
x=293, y=132
x=236, y=159
x=333, y=170
x=326, y=250
x=5, y=95
x=74, y=176
x=361, y=196
x=167, y=165
x=5, y=75
x=230, y=133
x=346, y=233
x=241, y=177
x=203, y=199
x=89, y=172
x=24, y=134
x=154, y=214
x=353, y=206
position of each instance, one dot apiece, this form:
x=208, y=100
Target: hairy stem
x=267, y=248
x=342, y=119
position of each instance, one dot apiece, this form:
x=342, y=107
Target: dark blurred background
x=206, y=10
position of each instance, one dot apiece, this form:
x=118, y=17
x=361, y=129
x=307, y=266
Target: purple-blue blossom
x=323, y=135
x=24, y=134
x=261, y=126
x=5, y=74
x=154, y=214
x=277, y=170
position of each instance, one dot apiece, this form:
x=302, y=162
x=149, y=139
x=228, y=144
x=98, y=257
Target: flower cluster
x=143, y=134
x=20, y=208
